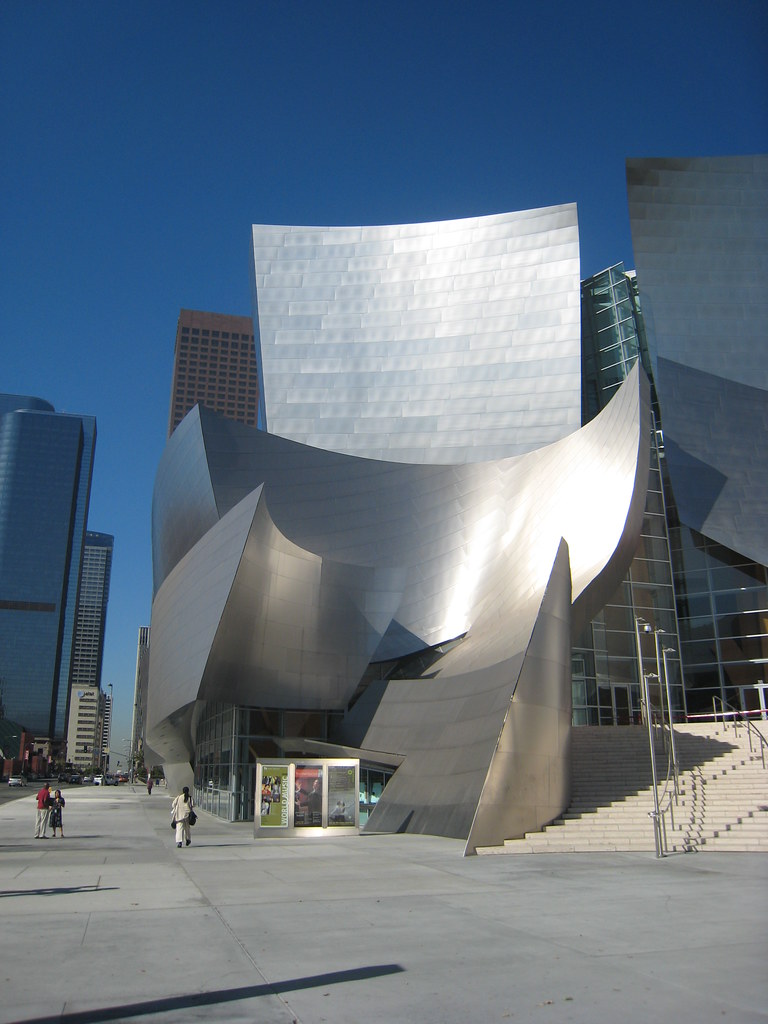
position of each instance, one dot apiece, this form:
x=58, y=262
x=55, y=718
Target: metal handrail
x=709, y=716
x=739, y=717
x=669, y=796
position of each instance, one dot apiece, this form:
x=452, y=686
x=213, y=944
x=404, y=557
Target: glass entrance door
x=754, y=699
x=619, y=703
x=622, y=704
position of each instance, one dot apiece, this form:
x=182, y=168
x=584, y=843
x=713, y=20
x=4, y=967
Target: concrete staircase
x=723, y=801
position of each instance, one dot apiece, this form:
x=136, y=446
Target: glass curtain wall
x=606, y=683
x=215, y=771
x=229, y=740
x=711, y=603
x=722, y=603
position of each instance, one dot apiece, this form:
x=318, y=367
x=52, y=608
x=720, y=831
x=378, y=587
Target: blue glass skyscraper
x=95, y=575
x=46, y=464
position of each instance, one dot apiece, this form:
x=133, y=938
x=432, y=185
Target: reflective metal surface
x=700, y=237
x=450, y=342
x=283, y=568
x=478, y=766
x=288, y=596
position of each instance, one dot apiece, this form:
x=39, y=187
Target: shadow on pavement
x=62, y=890
x=196, y=999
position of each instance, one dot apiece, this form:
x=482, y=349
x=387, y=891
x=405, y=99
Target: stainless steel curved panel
x=700, y=238
x=474, y=755
x=187, y=610
x=418, y=343
x=445, y=524
x=431, y=483
x=183, y=502
x=298, y=630
x=250, y=614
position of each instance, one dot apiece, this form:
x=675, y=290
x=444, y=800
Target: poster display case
x=308, y=796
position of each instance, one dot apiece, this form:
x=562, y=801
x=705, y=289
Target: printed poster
x=342, y=794
x=274, y=796
x=308, y=796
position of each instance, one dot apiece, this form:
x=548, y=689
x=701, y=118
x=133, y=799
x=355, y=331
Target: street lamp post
x=654, y=776
x=646, y=628
x=646, y=698
x=658, y=673
x=675, y=767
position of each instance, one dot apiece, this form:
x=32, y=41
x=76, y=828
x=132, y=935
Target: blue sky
x=141, y=141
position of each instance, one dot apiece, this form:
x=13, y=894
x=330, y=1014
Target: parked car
x=110, y=780
x=75, y=780
x=16, y=780
x=98, y=780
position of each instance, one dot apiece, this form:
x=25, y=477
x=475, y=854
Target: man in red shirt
x=43, y=811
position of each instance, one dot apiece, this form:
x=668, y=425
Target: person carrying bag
x=181, y=815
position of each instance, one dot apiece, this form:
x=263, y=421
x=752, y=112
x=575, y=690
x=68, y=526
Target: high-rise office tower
x=46, y=463
x=214, y=364
x=85, y=725
x=91, y=620
x=84, y=729
x=140, y=694
x=106, y=728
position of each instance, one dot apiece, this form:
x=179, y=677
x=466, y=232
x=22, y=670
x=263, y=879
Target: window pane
x=740, y=601
x=702, y=628
x=694, y=607
x=699, y=652
x=731, y=577
x=747, y=624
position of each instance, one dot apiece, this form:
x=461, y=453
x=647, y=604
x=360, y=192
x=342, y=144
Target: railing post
x=654, y=776
x=649, y=720
x=675, y=767
x=640, y=669
x=658, y=674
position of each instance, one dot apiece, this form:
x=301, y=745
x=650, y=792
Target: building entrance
x=619, y=703
x=754, y=700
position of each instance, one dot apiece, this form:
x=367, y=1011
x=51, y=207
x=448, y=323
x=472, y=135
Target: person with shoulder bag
x=182, y=816
x=57, y=819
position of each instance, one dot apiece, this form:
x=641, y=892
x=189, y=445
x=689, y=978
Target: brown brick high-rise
x=214, y=364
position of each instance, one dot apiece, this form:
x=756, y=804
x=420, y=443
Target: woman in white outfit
x=180, y=811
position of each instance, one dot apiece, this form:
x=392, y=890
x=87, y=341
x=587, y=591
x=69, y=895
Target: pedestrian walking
x=57, y=821
x=149, y=785
x=181, y=809
x=44, y=802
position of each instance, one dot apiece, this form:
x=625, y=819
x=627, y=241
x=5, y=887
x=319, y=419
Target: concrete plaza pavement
x=114, y=923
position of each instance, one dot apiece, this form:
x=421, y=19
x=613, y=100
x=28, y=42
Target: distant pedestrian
x=57, y=821
x=44, y=802
x=181, y=809
x=149, y=785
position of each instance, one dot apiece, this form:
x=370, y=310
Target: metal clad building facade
x=421, y=485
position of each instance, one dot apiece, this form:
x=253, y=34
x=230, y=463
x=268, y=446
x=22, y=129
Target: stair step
x=722, y=803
